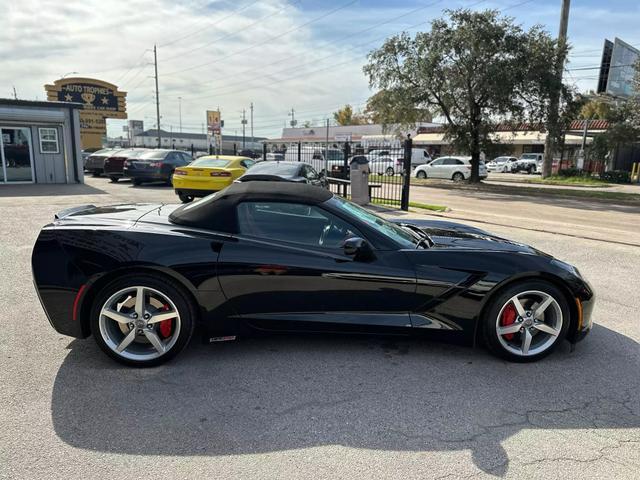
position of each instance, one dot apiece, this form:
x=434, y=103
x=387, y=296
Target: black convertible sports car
x=277, y=256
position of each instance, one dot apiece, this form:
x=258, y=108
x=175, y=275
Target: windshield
x=275, y=168
x=209, y=162
x=385, y=227
x=335, y=155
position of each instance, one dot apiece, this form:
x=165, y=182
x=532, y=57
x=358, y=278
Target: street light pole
x=155, y=65
x=553, y=116
x=180, y=112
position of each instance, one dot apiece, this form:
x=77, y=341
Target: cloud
x=240, y=57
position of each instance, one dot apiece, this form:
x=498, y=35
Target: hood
x=91, y=215
x=455, y=235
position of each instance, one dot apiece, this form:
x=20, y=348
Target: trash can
x=359, y=176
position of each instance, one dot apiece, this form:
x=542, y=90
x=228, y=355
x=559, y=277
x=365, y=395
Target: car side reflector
x=76, y=301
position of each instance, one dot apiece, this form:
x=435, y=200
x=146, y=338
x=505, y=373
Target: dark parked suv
x=114, y=164
x=155, y=166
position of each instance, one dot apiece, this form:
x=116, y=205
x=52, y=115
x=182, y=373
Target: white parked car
x=501, y=164
x=452, y=168
x=391, y=161
x=529, y=162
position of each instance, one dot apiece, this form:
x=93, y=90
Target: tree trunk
x=475, y=155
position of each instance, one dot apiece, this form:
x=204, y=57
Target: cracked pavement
x=318, y=407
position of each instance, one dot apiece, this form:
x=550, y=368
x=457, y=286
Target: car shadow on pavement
x=291, y=392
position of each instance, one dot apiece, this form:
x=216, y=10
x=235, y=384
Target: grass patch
x=568, y=181
x=426, y=206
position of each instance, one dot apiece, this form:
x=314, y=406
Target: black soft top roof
x=218, y=211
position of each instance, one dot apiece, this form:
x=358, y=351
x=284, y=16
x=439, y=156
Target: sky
x=305, y=55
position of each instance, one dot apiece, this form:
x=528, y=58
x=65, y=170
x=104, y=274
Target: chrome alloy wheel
x=139, y=323
x=529, y=323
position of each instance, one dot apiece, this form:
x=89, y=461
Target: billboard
x=100, y=100
x=617, y=68
x=213, y=122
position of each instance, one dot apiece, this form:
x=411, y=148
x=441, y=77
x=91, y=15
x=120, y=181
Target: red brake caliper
x=508, y=317
x=165, y=326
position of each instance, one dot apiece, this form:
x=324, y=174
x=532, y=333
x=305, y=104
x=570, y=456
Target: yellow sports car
x=207, y=175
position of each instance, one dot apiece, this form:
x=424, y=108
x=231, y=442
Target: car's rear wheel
x=526, y=322
x=390, y=171
x=142, y=321
x=96, y=173
x=170, y=180
x=113, y=179
x=421, y=175
x=184, y=198
x=457, y=177
x=137, y=181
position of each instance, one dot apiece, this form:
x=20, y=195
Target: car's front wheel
x=421, y=175
x=526, y=322
x=113, y=179
x=390, y=171
x=142, y=321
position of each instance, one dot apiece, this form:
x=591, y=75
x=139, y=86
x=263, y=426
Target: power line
x=260, y=44
x=233, y=34
x=341, y=40
x=235, y=12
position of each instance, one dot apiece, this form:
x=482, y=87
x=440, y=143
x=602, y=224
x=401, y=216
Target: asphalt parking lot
x=315, y=407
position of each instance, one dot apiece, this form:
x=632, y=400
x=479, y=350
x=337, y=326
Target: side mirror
x=358, y=248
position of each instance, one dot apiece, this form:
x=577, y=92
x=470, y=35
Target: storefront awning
x=505, y=138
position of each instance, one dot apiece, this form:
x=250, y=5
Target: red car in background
x=113, y=165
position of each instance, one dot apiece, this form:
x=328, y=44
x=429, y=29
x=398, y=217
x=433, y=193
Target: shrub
x=571, y=172
x=616, y=176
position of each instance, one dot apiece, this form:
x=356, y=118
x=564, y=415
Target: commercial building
x=525, y=138
x=40, y=142
x=187, y=141
x=374, y=134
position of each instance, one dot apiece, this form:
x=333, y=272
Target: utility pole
x=180, y=112
x=252, y=140
x=293, y=122
x=15, y=95
x=553, y=116
x=155, y=65
x=244, y=125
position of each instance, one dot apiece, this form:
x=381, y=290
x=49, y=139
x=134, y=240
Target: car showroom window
x=48, y=140
x=294, y=223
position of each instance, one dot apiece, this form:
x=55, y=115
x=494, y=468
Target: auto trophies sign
x=214, y=128
x=100, y=100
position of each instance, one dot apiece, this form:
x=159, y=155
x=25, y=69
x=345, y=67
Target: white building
x=197, y=141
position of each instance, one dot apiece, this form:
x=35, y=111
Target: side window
x=187, y=158
x=439, y=161
x=171, y=158
x=293, y=223
x=247, y=163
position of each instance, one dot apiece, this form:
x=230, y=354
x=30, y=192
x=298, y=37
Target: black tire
x=390, y=171
x=167, y=287
x=96, y=173
x=137, y=181
x=170, y=180
x=457, y=177
x=491, y=313
x=421, y=174
x=184, y=198
x=113, y=179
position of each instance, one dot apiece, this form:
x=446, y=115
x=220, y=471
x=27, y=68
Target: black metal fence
x=389, y=166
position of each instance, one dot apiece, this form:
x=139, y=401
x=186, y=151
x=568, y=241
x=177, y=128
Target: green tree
x=393, y=107
x=473, y=68
x=346, y=116
x=595, y=109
